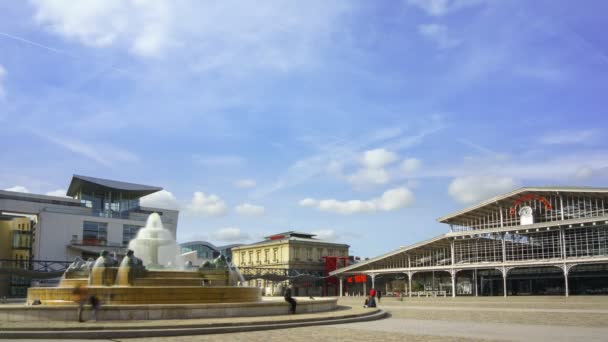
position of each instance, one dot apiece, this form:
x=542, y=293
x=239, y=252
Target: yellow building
x=15, y=252
x=297, y=258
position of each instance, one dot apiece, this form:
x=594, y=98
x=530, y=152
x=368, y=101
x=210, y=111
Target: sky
x=359, y=121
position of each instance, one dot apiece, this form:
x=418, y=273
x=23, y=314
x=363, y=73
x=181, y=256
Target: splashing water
x=155, y=245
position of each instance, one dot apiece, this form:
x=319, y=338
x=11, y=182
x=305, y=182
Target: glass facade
x=202, y=251
x=129, y=232
x=109, y=204
x=94, y=233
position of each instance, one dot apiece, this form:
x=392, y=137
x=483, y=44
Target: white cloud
x=308, y=202
x=161, y=199
x=274, y=34
x=244, y=183
x=477, y=188
x=143, y=26
x=438, y=34
x=410, y=165
x=57, y=193
x=2, y=76
x=568, y=137
x=378, y=158
x=230, y=234
x=249, y=209
x=392, y=199
x=439, y=8
x=372, y=171
x=18, y=188
x=210, y=205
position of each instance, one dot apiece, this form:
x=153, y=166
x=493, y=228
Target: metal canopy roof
x=79, y=182
x=497, y=200
x=430, y=243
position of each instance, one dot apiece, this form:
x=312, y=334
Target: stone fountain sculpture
x=145, y=277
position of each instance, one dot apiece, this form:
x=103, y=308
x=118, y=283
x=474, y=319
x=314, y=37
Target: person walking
x=290, y=300
x=372, y=298
x=379, y=295
x=80, y=294
x=95, y=305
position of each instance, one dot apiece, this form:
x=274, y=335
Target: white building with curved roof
x=534, y=240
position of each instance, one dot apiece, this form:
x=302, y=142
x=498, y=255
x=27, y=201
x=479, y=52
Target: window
x=309, y=253
x=266, y=255
x=275, y=252
x=243, y=258
x=257, y=257
x=129, y=232
x=250, y=257
x=94, y=233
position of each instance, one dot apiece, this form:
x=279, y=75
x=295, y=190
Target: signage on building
x=529, y=197
x=360, y=278
x=526, y=215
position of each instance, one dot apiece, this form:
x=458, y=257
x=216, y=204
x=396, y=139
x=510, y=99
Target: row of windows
x=96, y=233
x=303, y=253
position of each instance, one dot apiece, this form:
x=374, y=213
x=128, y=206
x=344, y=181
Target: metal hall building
x=531, y=241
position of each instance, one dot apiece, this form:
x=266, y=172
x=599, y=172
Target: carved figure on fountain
x=130, y=268
x=104, y=270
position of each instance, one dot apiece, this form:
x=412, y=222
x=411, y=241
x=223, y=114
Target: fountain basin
x=266, y=307
x=149, y=294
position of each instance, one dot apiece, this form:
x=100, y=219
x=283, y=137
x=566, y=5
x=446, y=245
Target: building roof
x=440, y=239
x=290, y=238
x=505, y=199
x=80, y=182
x=196, y=243
x=290, y=233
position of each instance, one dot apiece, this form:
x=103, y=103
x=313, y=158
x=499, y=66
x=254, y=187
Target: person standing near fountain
x=290, y=300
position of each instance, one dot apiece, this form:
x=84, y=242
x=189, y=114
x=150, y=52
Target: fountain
x=151, y=283
x=154, y=240
x=150, y=273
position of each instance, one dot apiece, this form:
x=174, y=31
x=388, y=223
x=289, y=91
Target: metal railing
x=34, y=265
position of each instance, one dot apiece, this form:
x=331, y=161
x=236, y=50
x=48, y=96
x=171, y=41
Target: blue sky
x=361, y=121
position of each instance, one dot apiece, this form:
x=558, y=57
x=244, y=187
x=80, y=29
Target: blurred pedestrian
x=290, y=300
x=80, y=294
x=95, y=305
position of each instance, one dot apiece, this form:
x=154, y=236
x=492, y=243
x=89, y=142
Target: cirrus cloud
x=244, y=183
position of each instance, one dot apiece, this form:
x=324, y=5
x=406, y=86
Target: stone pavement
x=452, y=319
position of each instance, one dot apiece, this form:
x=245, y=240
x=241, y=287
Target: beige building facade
x=292, y=257
x=16, y=246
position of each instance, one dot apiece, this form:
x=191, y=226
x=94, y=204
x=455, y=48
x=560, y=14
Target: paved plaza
x=453, y=319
